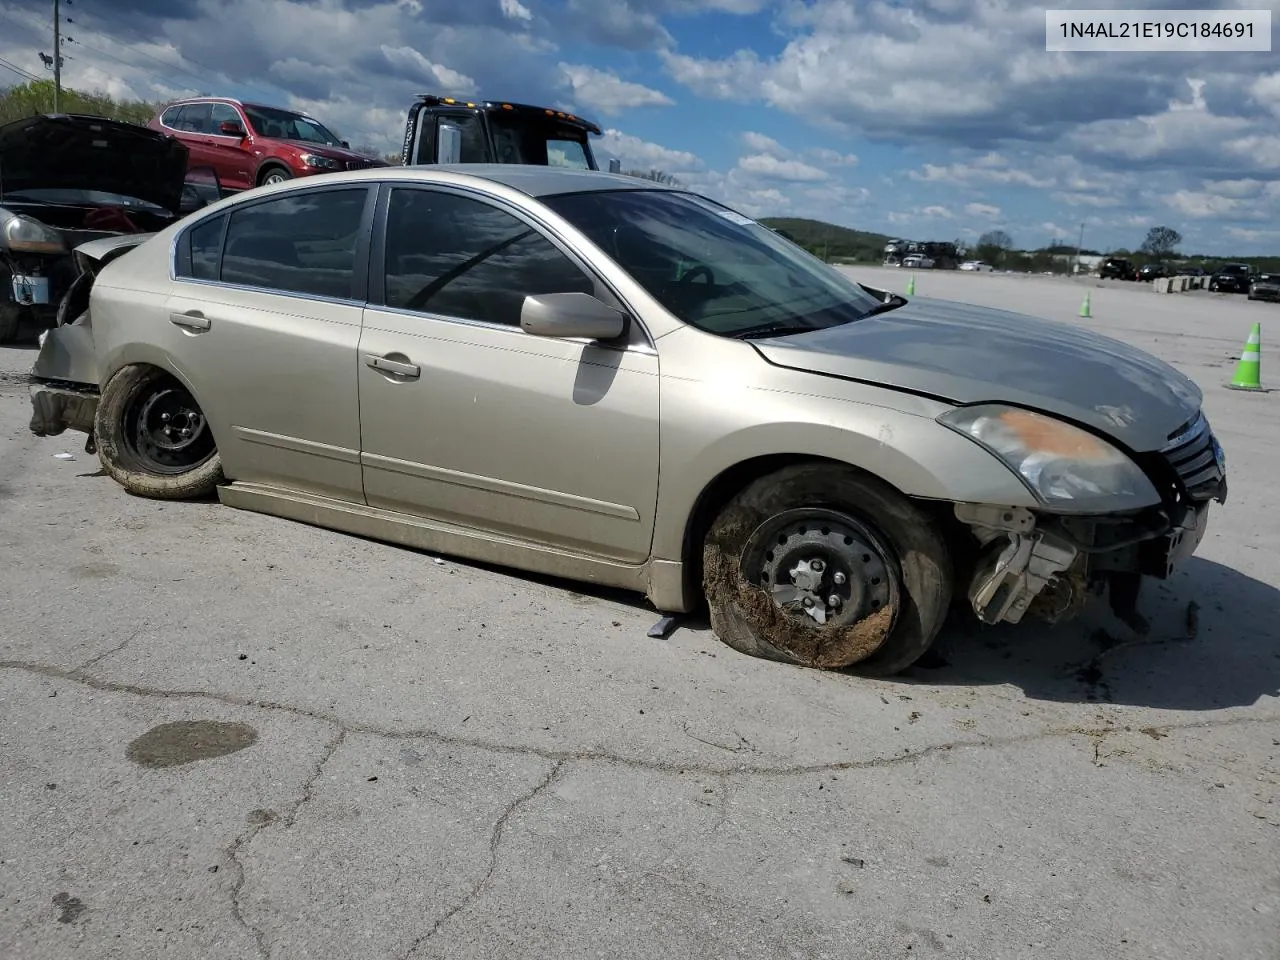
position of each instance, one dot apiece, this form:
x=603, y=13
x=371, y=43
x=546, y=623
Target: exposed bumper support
x=1009, y=578
x=56, y=409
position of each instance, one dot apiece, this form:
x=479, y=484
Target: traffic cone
x=1249, y=369
x=911, y=286
x=1084, y=307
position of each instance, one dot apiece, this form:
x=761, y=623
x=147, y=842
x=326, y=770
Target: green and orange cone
x=911, y=286
x=1249, y=369
x=1084, y=307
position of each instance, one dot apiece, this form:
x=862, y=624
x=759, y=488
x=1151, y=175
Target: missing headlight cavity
x=1018, y=562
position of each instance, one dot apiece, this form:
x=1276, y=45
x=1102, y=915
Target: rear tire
x=882, y=559
x=153, y=438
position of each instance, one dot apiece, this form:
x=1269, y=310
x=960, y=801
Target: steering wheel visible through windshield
x=712, y=268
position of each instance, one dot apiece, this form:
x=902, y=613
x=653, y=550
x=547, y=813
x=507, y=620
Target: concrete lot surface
x=225, y=735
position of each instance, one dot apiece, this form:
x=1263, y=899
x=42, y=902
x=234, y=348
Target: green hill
x=830, y=240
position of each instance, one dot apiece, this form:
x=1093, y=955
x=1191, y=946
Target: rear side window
x=206, y=245
x=459, y=257
x=303, y=243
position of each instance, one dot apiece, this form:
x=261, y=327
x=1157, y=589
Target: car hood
x=92, y=153
x=966, y=354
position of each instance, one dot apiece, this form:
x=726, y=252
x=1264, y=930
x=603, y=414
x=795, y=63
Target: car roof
x=529, y=179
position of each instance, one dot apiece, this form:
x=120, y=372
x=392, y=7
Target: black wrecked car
x=1231, y=278
x=1117, y=268
x=68, y=179
x=1153, y=271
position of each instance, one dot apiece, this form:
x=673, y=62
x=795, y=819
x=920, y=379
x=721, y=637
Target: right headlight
x=1064, y=466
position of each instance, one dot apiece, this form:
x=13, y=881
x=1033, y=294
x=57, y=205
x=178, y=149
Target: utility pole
x=57, y=53
x=1075, y=264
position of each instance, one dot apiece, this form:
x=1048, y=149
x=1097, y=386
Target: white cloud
x=937, y=211
x=984, y=211
x=1199, y=204
x=515, y=10
x=436, y=74
x=641, y=155
x=763, y=144
x=609, y=93
x=767, y=165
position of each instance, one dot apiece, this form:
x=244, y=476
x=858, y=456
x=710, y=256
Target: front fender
x=910, y=451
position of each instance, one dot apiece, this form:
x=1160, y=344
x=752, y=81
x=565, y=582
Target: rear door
x=264, y=320
x=466, y=419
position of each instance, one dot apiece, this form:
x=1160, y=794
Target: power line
x=19, y=70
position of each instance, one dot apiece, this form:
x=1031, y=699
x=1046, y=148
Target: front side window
x=303, y=243
x=287, y=125
x=224, y=113
x=457, y=257
x=712, y=268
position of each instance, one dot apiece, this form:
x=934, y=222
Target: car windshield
x=713, y=268
x=287, y=125
x=519, y=139
x=1235, y=268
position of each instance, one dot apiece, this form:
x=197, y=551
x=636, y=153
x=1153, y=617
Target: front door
x=264, y=320
x=467, y=419
x=232, y=155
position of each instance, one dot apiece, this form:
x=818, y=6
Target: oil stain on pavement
x=173, y=744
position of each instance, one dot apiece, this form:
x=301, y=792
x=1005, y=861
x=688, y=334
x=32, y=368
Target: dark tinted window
x=206, y=244
x=304, y=243
x=194, y=118
x=459, y=257
x=170, y=117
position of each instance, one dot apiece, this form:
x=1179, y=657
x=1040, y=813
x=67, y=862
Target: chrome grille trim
x=1191, y=455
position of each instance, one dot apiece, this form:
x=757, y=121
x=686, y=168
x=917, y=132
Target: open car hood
x=966, y=354
x=72, y=152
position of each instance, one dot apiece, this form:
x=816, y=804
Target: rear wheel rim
x=166, y=431
x=823, y=568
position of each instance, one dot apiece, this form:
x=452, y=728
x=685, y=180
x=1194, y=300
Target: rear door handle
x=410, y=370
x=192, y=320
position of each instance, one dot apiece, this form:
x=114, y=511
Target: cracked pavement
x=457, y=761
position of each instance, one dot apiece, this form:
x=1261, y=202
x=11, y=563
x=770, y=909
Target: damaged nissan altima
x=614, y=381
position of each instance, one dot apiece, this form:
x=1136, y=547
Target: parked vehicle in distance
x=250, y=144
x=1231, y=278
x=1153, y=271
x=1117, y=268
x=1265, y=286
x=979, y=266
x=672, y=398
x=918, y=261
x=69, y=179
x=445, y=130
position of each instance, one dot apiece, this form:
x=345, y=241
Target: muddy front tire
x=153, y=438
x=823, y=566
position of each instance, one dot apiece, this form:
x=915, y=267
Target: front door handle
x=192, y=320
x=399, y=368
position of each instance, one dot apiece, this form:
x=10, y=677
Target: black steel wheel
x=825, y=566
x=153, y=438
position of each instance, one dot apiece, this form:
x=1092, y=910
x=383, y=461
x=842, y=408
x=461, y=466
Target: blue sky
x=928, y=119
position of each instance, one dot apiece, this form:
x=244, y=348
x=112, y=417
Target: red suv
x=249, y=144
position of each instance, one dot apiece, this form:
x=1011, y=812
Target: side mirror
x=571, y=315
x=229, y=128
x=347, y=145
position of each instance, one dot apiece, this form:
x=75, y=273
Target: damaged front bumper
x=56, y=408
x=1049, y=566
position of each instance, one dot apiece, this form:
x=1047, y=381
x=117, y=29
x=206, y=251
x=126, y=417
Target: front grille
x=1192, y=455
x=359, y=164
